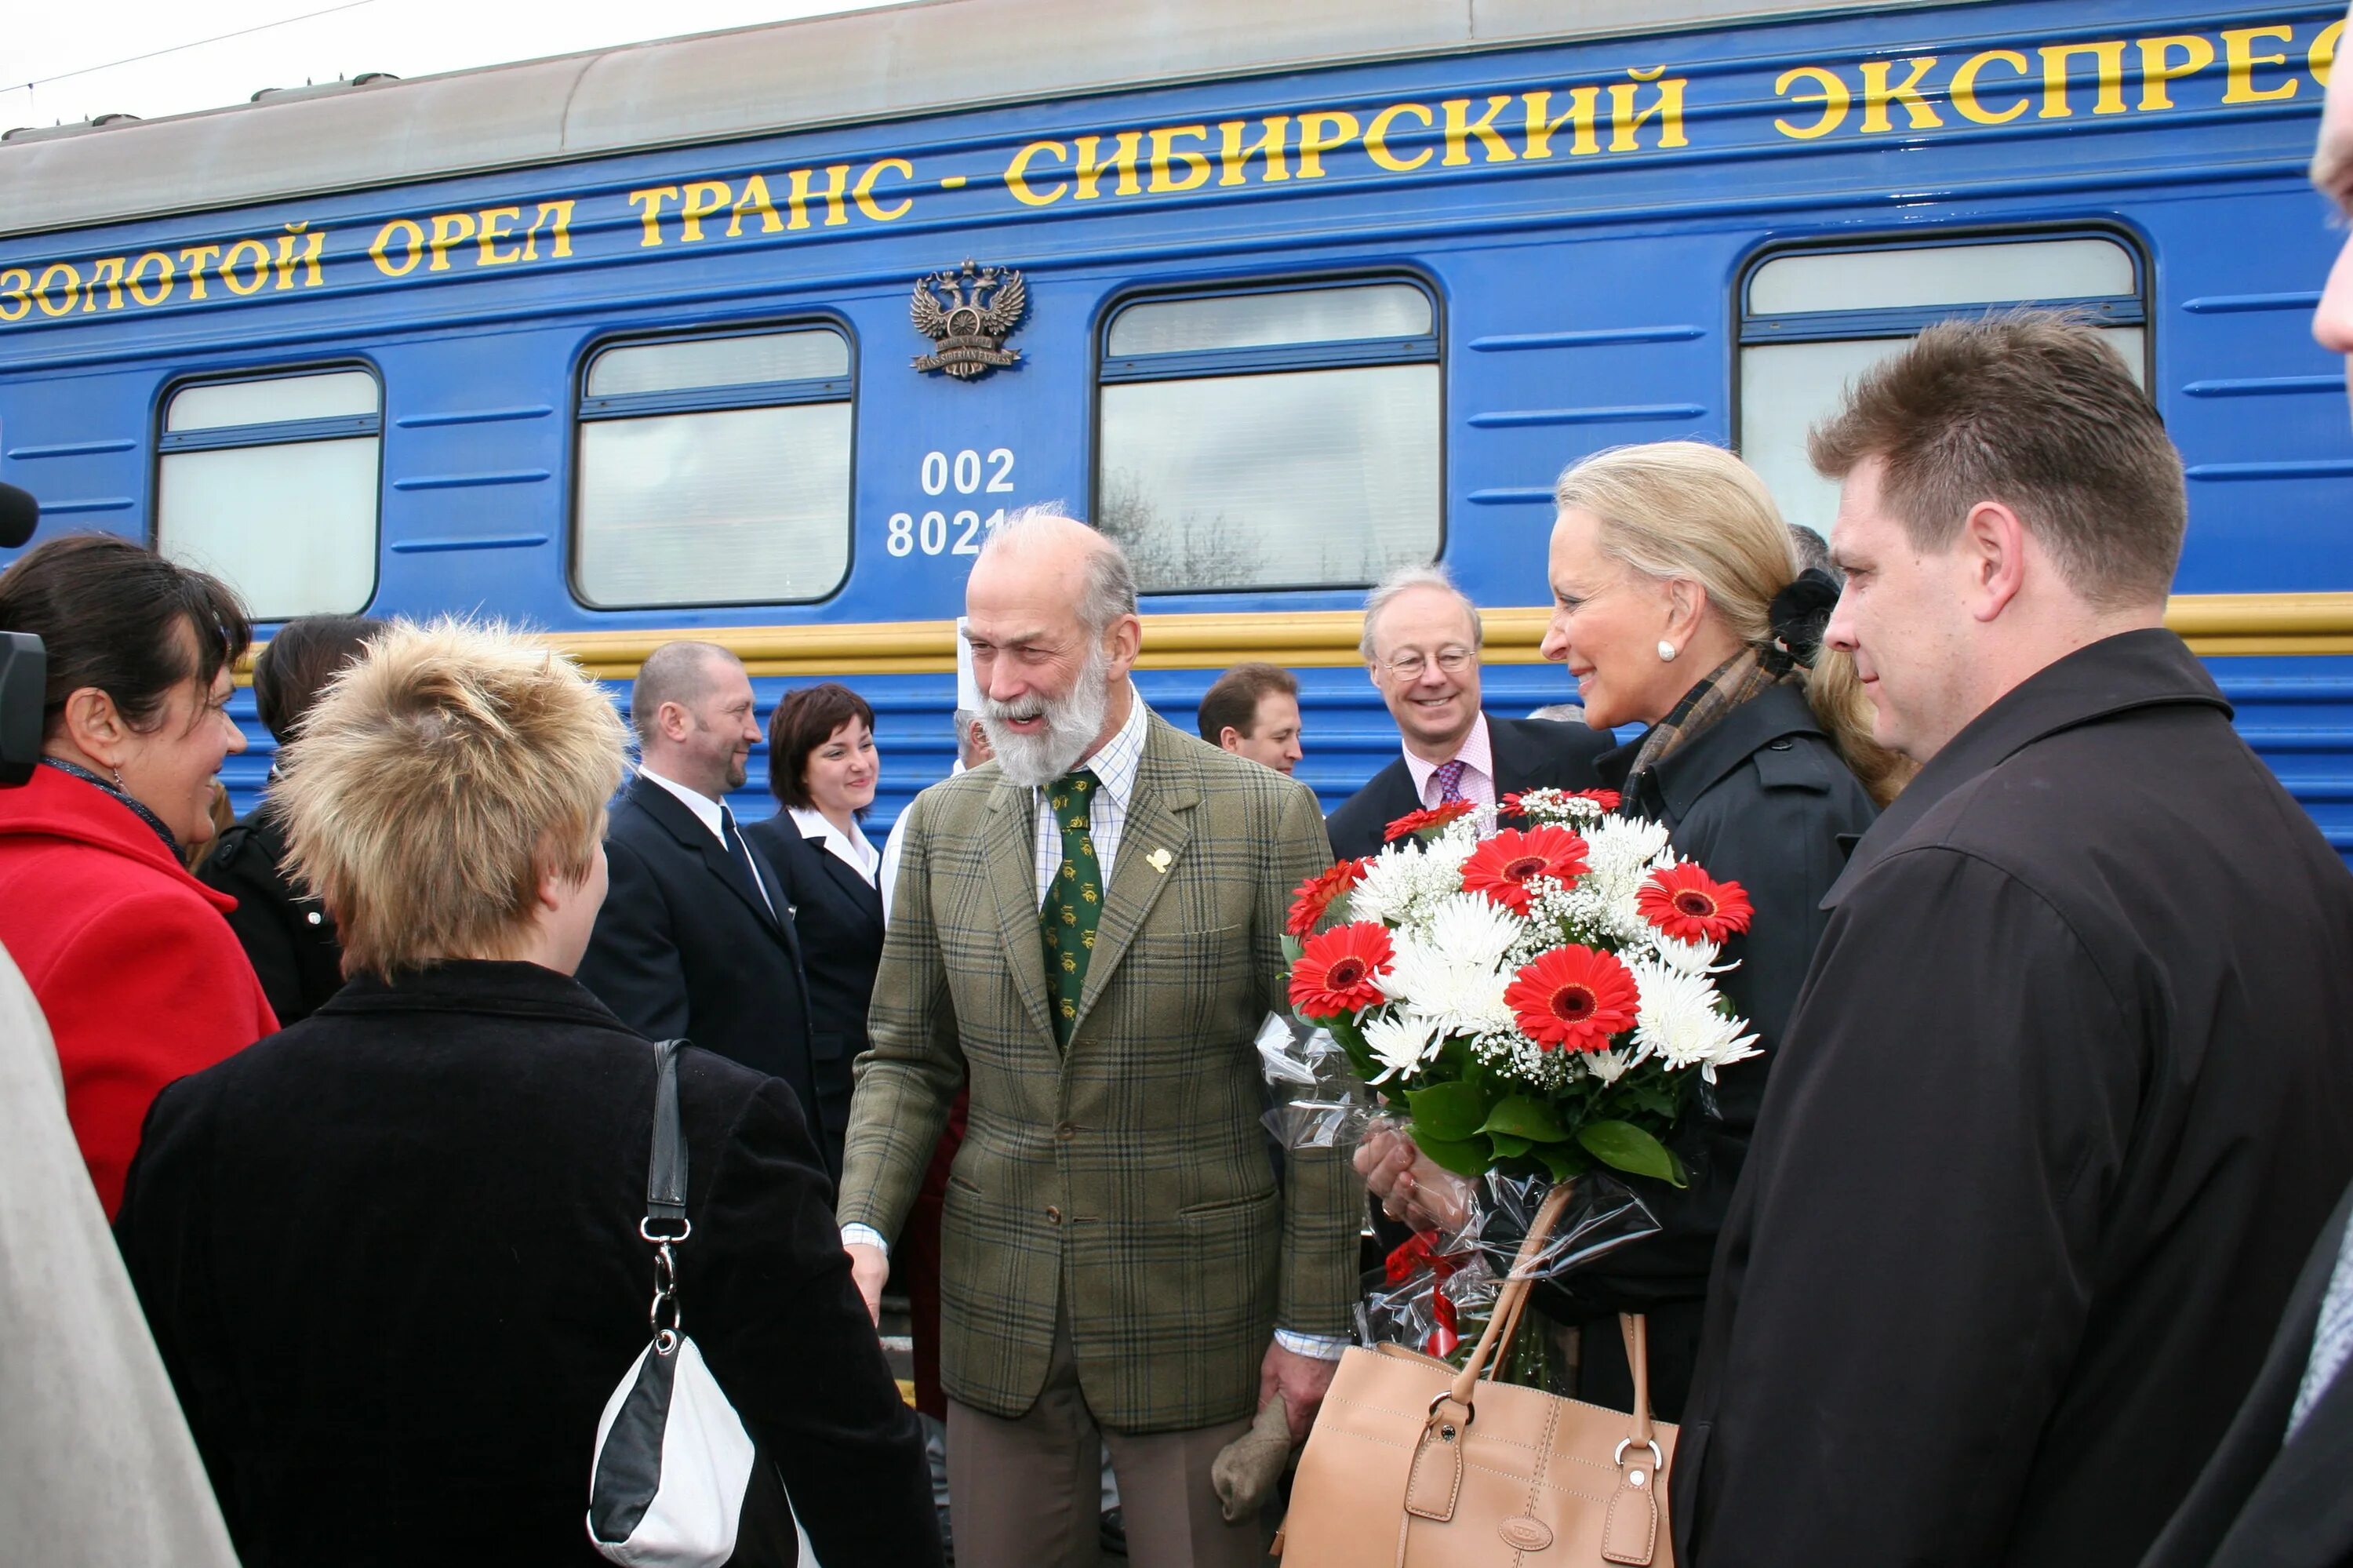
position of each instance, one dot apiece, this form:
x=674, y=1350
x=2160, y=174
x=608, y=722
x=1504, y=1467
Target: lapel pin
x=1158, y=860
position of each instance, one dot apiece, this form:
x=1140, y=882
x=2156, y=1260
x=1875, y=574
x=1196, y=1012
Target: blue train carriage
x=754, y=335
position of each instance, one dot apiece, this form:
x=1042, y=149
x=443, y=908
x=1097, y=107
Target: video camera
x=24, y=662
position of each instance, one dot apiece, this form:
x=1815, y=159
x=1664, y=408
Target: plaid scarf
x=1739, y=679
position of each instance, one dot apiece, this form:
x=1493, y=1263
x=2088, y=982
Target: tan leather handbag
x=1415, y=1464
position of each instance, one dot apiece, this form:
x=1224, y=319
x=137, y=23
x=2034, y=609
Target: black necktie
x=742, y=855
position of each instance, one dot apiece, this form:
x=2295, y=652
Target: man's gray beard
x=1071, y=724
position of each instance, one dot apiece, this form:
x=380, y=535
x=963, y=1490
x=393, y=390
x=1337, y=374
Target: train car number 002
x=943, y=533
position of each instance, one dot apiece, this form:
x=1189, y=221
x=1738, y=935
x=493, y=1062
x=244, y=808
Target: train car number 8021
x=940, y=532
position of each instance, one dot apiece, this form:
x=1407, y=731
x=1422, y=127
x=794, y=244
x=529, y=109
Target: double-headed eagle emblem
x=968, y=313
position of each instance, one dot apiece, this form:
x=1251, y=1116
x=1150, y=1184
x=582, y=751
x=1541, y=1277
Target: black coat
x=290, y=936
x=837, y=915
x=685, y=948
x=2264, y=1503
x=1760, y=798
x=2066, y=1096
x=390, y=1256
x=1528, y=754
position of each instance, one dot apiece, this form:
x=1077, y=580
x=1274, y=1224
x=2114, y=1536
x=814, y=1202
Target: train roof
x=865, y=66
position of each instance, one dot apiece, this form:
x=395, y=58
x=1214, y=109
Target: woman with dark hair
x=822, y=771
x=140, y=976
x=286, y=933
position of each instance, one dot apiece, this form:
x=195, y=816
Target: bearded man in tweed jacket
x=1089, y=931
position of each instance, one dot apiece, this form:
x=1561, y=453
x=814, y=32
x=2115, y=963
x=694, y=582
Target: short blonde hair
x=1685, y=509
x=435, y=780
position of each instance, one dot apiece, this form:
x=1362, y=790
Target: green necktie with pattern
x=1074, y=906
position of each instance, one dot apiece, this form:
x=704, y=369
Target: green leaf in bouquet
x=1525, y=1117
x=1507, y=1147
x=1352, y=1041
x=1562, y=1162
x=1292, y=948
x=1470, y=1157
x=1630, y=1149
x=1450, y=1112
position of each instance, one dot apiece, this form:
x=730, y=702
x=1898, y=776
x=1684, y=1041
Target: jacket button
x=1781, y=744
x=1053, y=1215
x=1066, y=1132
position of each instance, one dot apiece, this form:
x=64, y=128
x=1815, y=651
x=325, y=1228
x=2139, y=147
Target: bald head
x=680, y=672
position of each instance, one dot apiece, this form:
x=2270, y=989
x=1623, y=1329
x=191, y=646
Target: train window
x=1282, y=437
x=715, y=469
x=1812, y=321
x=271, y=484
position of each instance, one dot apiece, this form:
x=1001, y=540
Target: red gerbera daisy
x=1423, y=821
x=1690, y=905
x=1315, y=895
x=1574, y=997
x=1501, y=866
x=1336, y=970
x=1605, y=798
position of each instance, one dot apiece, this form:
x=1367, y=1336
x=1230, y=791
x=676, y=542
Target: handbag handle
x=666, y=1224
x=1505, y=1322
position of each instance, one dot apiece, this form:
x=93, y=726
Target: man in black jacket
x=2275, y=1496
x=2070, y=1086
x=696, y=938
x=1420, y=645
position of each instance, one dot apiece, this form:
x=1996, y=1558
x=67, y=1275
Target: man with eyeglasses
x=1421, y=644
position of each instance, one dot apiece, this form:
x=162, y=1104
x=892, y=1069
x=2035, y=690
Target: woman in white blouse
x=822, y=771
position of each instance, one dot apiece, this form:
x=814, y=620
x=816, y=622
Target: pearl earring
x=1666, y=651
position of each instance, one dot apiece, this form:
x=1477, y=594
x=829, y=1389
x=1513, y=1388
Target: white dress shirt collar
x=853, y=848
x=708, y=812
x=1477, y=754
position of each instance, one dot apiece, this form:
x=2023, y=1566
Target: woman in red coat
x=129, y=956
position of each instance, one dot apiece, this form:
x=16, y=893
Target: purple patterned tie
x=1450, y=782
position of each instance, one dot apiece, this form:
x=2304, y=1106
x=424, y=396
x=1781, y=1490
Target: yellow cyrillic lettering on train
x=196, y=256
x=2322, y=56
x=2158, y=72
x=836, y=186
x=314, y=245
x=1233, y=158
x=1165, y=152
x=1667, y=108
x=448, y=229
x=2240, y=60
x=1377, y=138
x=106, y=269
x=495, y=222
x=1878, y=93
x=1833, y=95
x=648, y=202
x=139, y=272
x=559, y=232
x=1125, y=148
x=1543, y=125
x=755, y=203
x=1964, y=91
x=72, y=285
x=1461, y=128
x=1016, y=174
x=2109, y=78
x=17, y=286
x=1323, y=131
x=704, y=198
x=863, y=192
x=260, y=266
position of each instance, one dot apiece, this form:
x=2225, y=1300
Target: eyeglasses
x=1408, y=666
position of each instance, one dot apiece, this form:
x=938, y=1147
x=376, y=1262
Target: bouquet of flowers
x=1534, y=1003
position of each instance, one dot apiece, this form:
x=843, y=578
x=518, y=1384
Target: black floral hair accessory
x=1799, y=614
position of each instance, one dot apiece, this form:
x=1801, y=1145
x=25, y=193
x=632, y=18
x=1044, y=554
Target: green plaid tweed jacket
x=1128, y=1177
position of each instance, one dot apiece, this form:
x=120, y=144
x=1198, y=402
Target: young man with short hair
x=1252, y=710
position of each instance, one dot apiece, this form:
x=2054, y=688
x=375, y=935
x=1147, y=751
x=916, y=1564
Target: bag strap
x=665, y=1218
x=1505, y=1322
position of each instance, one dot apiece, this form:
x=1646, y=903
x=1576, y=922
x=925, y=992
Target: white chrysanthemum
x=1407, y=880
x=1457, y=994
x=1680, y=1023
x=1689, y=958
x=1472, y=929
x=1621, y=852
x=1401, y=1041
x=1608, y=1067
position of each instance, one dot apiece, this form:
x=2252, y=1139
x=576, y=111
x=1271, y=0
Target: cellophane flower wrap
x=1534, y=1003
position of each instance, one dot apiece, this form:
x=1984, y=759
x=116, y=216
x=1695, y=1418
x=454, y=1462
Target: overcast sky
x=66, y=62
